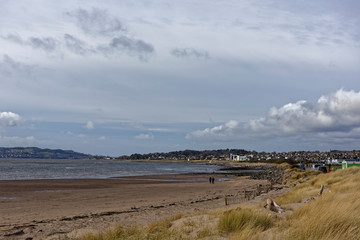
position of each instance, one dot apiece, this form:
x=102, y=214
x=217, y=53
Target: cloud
x=102, y=138
x=339, y=111
x=99, y=23
x=80, y=135
x=140, y=126
x=89, y=125
x=9, y=119
x=132, y=46
x=47, y=43
x=189, y=52
x=96, y=22
x=144, y=136
x=75, y=45
x=107, y=34
x=13, y=38
x=333, y=114
x=226, y=131
x=10, y=67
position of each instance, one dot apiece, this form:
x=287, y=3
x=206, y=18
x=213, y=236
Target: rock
x=273, y=174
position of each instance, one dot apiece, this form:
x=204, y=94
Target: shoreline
x=42, y=209
x=102, y=169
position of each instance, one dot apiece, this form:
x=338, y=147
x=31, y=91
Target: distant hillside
x=33, y=152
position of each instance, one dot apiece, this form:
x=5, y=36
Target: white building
x=238, y=158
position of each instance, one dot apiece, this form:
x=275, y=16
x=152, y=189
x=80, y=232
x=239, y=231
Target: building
x=238, y=158
x=350, y=163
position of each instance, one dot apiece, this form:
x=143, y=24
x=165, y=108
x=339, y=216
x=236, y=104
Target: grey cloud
x=189, y=52
x=96, y=22
x=131, y=46
x=333, y=114
x=13, y=38
x=10, y=67
x=48, y=44
x=9, y=119
x=75, y=45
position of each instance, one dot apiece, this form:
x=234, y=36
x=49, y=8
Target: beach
x=45, y=209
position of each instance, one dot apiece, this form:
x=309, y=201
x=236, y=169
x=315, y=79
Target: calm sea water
x=16, y=169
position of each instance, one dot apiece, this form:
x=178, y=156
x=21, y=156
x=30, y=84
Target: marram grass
x=240, y=219
x=334, y=215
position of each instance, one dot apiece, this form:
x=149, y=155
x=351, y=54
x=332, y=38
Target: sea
x=23, y=169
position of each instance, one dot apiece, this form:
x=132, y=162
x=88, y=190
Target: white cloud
x=9, y=119
x=338, y=111
x=76, y=135
x=89, y=125
x=226, y=131
x=102, y=138
x=336, y=114
x=144, y=136
x=142, y=127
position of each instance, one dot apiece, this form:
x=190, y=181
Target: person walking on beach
x=210, y=180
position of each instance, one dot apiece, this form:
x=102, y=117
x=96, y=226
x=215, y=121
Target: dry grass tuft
x=133, y=233
x=241, y=219
x=205, y=232
x=295, y=176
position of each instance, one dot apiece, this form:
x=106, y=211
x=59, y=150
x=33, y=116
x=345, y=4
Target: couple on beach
x=211, y=180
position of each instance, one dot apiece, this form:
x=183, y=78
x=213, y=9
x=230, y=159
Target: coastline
x=43, y=209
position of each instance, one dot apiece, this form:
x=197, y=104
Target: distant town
x=187, y=155
x=244, y=155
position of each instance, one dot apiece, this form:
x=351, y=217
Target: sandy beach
x=43, y=209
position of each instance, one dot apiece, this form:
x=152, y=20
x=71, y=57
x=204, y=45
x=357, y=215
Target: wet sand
x=43, y=209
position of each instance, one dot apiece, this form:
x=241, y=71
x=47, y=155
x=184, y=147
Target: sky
x=121, y=77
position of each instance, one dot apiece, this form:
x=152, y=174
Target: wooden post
x=321, y=189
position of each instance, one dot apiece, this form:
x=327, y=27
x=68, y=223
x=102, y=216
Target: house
x=238, y=158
